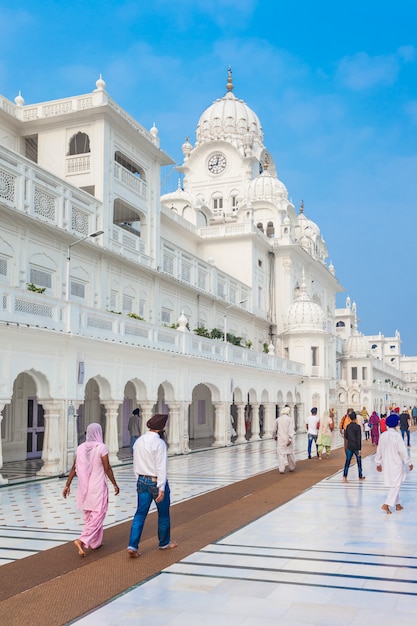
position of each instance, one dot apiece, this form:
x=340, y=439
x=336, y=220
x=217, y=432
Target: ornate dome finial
x=19, y=100
x=100, y=84
x=229, y=85
x=302, y=206
x=186, y=148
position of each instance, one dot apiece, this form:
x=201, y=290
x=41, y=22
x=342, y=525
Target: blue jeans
x=311, y=438
x=349, y=455
x=403, y=432
x=132, y=441
x=148, y=491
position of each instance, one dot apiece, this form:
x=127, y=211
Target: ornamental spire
x=229, y=85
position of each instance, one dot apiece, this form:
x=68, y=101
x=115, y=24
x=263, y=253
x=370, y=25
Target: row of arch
x=34, y=425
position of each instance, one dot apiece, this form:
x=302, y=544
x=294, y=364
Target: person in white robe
x=391, y=458
x=284, y=433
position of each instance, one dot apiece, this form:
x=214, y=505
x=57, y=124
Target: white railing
x=78, y=164
x=27, y=188
x=130, y=180
x=35, y=310
x=227, y=229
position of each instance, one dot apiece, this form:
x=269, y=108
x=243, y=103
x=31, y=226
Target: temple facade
x=214, y=303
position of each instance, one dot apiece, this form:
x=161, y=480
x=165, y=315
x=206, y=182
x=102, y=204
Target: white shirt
x=392, y=455
x=150, y=458
x=311, y=424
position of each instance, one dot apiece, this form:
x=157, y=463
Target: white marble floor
x=329, y=557
x=34, y=516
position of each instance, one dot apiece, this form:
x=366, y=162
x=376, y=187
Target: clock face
x=217, y=163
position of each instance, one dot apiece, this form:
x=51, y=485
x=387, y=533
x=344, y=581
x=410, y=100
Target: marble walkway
x=329, y=556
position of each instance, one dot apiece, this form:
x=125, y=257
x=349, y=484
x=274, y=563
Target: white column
x=51, y=452
x=146, y=414
x=219, y=424
x=255, y=422
x=72, y=442
x=240, y=427
x=174, y=428
x=111, y=436
x=3, y=481
x=269, y=419
x=185, y=427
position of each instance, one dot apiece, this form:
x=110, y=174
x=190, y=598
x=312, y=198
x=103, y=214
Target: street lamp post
x=225, y=316
x=67, y=287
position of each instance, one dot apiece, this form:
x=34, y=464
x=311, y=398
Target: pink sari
x=92, y=490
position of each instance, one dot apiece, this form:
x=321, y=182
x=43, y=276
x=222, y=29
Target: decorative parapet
x=43, y=313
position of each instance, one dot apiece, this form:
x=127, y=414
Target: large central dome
x=230, y=119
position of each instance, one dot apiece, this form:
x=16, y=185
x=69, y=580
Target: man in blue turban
x=391, y=458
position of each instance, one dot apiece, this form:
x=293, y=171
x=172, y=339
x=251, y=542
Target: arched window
x=340, y=325
x=270, y=230
x=260, y=226
x=79, y=144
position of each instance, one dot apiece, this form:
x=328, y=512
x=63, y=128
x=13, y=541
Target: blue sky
x=334, y=83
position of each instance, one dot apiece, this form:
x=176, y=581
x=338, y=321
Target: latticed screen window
x=168, y=263
x=202, y=279
x=142, y=304
x=166, y=316
x=3, y=267
x=127, y=303
x=113, y=299
x=221, y=289
x=40, y=278
x=77, y=289
x=186, y=271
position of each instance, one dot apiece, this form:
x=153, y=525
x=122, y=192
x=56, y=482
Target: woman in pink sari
x=92, y=467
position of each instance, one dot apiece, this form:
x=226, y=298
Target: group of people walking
x=92, y=468
x=391, y=456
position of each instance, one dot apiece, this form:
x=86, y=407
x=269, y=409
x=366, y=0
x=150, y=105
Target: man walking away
x=312, y=431
x=391, y=457
x=134, y=427
x=353, y=437
x=150, y=466
x=405, y=424
x=283, y=433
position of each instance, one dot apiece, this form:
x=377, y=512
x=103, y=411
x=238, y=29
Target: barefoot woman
x=92, y=467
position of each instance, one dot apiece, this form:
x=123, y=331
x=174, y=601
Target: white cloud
x=362, y=71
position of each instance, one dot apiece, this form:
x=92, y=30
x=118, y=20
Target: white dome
x=179, y=195
x=356, y=346
x=308, y=227
x=304, y=314
x=267, y=187
x=230, y=119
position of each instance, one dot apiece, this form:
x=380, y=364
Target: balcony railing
x=130, y=180
x=34, y=310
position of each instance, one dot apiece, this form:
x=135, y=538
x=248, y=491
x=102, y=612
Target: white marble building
x=372, y=372
x=113, y=297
